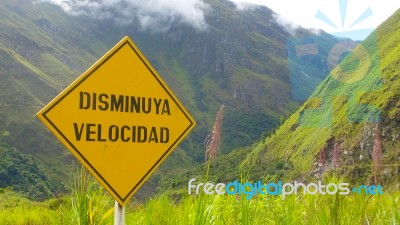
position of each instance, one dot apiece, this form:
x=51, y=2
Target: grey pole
x=119, y=214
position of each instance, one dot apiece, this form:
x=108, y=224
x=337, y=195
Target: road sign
x=119, y=119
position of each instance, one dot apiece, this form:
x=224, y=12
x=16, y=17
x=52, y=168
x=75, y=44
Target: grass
x=17, y=210
x=302, y=209
x=88, y=204
x=37, y=215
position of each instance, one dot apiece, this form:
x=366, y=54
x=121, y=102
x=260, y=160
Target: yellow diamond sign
x=119, y=119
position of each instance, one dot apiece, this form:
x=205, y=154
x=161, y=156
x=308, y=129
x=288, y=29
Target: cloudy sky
x=157, y=15
x=333, y=16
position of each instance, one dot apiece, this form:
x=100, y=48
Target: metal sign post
x=119, y=214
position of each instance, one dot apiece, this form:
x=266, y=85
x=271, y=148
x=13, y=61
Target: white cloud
x=303, y=12
x=286, y=23
x=151, y=14
x=244, y=5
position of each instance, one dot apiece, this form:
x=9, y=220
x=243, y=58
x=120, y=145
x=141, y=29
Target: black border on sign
x=123, y=199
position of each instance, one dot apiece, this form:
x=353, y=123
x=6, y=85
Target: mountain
x=349, y=126
x=240, y=60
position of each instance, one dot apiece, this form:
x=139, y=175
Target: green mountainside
x=23, y=173
x=240, y=60
x=350, y=125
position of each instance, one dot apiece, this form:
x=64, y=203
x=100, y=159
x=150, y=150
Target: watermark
x=279, y=188
x=351, y=65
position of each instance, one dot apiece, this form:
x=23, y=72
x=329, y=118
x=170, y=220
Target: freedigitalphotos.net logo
x=311, y=58
x=278, y=188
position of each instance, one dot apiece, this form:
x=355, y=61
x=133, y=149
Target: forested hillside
x=350, y=124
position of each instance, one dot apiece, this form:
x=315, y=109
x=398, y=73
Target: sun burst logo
x=343, y=4
x=347, y=31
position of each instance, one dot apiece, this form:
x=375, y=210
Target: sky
x=349, y=18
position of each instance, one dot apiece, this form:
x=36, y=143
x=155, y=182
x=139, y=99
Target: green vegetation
x=16, y=209
x=337, y=114
x=87, y=204
x=345, y=111
x=223, y=168
x=310, y=209
x=24, y=174
x=93, y=207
